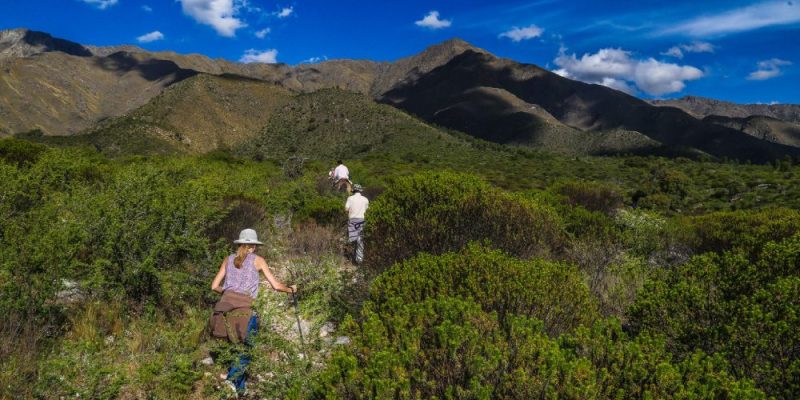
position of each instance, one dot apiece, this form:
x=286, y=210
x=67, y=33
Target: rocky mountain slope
x=762, y=127
x=702, y=107
x=778, y=123
x=62, y=88
x=581, y=106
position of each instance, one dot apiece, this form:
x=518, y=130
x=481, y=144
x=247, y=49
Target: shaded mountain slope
x=702, y=107
x=766, y=128
x=576, y=104
x=25, y=43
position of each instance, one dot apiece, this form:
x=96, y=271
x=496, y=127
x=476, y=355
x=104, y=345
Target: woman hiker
x=238, y=281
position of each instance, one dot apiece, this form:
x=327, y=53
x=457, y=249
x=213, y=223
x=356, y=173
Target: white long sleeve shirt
x=356, y=206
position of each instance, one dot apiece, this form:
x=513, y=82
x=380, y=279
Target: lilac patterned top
x=242, y=280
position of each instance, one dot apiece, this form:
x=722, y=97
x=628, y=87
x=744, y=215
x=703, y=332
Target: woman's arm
x=277, y=285
x=215, y=285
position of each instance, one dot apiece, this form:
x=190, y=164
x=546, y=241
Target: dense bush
x=549, y=291
x=747, y=230
x=20, y=152
x=729, y=303
x=449, y=348
x=440, y=212
x=763, y=338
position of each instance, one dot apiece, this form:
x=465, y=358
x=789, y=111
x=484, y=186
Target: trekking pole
x=297, y=316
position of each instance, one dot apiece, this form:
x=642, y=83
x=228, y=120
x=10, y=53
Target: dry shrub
x=21, y=342
x=315, y=241
x=591, y=196
x=613, y=278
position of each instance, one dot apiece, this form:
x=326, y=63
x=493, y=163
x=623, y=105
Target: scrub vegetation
x=491, y=272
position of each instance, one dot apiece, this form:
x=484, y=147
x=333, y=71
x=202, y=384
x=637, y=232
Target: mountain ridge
x=453, y=84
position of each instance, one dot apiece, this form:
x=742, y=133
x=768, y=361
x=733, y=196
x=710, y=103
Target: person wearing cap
x=356, y=207
x=238, y=281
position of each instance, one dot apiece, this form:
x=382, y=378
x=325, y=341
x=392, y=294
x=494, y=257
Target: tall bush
x=436, y=212
x=552, y=292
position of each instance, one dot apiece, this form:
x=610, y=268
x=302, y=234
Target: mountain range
x=124, y=99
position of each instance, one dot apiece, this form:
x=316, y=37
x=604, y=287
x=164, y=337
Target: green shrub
x=747, y=230
x=763, y=338
x=449, y=348
x=735, y=303
x=20, y=152
x=549, y=291
x=440, y=212
x=322, y=210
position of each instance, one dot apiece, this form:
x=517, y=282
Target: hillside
x=62, y=94
x=581, y=106
x=71, y=88
x=766, y=128
x=333, y=123
x=702, y=107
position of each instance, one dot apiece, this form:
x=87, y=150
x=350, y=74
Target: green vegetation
x=492, y=272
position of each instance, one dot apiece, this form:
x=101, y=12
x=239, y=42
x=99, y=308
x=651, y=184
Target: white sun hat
x=247, y=236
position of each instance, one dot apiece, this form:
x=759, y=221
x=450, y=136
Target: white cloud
x=759, y=15
x=658, y=78
x=694, y=47
x=219, y=14
x=285, y=12
x=101, y=4
x=432, y=21
x=263, y=33
x=150, y=37
x=519, y=34
x=616, y=69
x=147, y=8
x=768, y=69
x=260, y=56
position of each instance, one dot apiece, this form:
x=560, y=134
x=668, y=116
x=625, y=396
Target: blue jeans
x=238, y=372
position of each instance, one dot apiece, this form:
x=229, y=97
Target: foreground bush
x=440, y=212
x=449, y=348
x=729, y=304
x=552, y=292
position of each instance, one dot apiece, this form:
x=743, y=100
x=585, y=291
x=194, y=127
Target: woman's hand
x=292, y=289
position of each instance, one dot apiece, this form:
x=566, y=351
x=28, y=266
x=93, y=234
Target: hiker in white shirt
x=341, y=171
x=356, y=207
x=341, y=177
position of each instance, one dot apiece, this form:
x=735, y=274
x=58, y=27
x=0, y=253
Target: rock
x=326, y=329
x=342, y=340
x=71, y=293
x=207, y=361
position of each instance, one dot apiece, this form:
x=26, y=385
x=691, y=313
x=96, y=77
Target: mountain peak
x=452, y=47
x=21, y=42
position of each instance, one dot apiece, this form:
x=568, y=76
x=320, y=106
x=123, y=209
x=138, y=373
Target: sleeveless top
x=242, y=280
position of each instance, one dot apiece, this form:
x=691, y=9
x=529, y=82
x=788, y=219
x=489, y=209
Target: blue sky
x=742, y=51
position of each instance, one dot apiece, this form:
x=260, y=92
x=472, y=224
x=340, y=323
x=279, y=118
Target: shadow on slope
x=576, y=104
